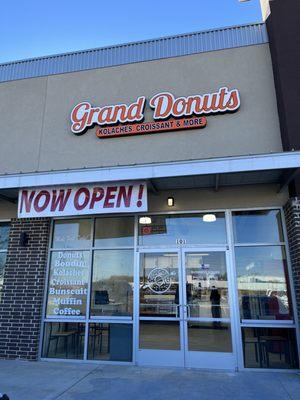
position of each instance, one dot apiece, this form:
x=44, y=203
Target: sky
x=35, y=28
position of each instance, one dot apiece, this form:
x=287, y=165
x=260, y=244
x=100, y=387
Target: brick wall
x=23, y=289
x=292, y=217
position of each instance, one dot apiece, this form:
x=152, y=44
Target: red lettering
x=79, y=117
x=86, y=194
x=222, y=94
x=98, y=194
x=41, y=207
x=61, y=200
x=179, y=107
x=214, y=107
x=139, y=203
x=135, y=110
x=193, y=105
x=119, y=113
x=105, y=115
x=110, y=195
x=91, y=115
x=162, y=104
x=206, y=105
x=234, y=101
x=26, y=201
x=124, y=196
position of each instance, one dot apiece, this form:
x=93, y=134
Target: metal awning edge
x=275, y=161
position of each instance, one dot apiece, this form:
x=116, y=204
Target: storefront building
x=145, y=213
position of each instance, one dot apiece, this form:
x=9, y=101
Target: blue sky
x=30, y=28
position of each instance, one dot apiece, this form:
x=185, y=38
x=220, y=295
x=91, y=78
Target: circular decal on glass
x=159, y=280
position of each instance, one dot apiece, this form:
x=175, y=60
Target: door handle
x=188, y=310
x=177, y=308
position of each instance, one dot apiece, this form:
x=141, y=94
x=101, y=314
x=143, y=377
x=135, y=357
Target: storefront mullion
x=235, y=317
x=85, y=355
x=136, y=291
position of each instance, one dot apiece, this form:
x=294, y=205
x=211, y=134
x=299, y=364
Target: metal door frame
x=223, y=360
x=151, y=357
x=182, y=354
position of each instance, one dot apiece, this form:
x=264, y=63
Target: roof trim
x=146, y=50
x=125, y=44
x=261, y=162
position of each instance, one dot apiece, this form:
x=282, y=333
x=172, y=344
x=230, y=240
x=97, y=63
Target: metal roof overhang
x=146, y=50
x=279, y=168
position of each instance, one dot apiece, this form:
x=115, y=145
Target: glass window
x=262, y=226
x=159, y=285
x=187, y=228
x=112, y=284
x=263, y=282
x=110, y=342
x=206, y=285
x=159, y=335
x=270, y=348
x=68, y=284
x=73, y=233
x=114, y=231
x=209, y=336
x=2, y=265
x=63, y=340
x=4, y=235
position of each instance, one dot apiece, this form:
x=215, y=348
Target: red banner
x=82, y=200
x=151, y=127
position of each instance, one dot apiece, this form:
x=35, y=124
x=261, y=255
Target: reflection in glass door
x=206, y=310
x=160, y=296
x=184, y=312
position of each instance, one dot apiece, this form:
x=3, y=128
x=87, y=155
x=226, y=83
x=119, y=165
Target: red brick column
x=292, y=219
x=23, y=289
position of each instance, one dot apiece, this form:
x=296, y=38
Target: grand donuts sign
x=169, y=113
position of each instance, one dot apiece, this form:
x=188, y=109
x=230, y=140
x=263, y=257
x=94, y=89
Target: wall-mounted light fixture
x=24, y=239
x=145, y=220
x=209, y=218
x=170, y=202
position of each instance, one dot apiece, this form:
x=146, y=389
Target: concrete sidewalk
x=70, y=381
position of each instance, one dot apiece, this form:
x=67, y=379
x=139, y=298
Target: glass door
x=160, y=322
x=184, y=309
x=206, y=309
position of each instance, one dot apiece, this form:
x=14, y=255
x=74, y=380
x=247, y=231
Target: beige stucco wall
x=21, y=119
x=34, y=113
x=251, y=196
